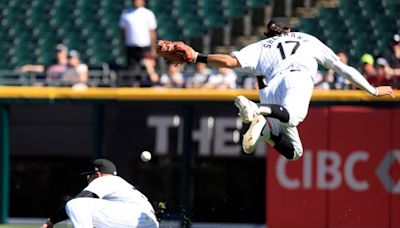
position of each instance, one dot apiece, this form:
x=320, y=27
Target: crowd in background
x=379, y=70
x=143, y=68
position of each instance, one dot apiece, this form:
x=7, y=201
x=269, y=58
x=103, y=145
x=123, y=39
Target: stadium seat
x=257, y=3
x=214, y=20
x=234, y=8
x=393, y=10
x=212, y=13
x=310, y=26
x=183, y=6
x=349, y=7
x=330, y=20
x=170, y=32
x=160, y=5
x=371, y=8
x=193, y=30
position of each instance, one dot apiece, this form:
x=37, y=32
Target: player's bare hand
x=48, y=224
x=384, y=90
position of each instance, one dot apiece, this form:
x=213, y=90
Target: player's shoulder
x=145, y=10
x=126, y=12
x=301, y=34
x=305, y=36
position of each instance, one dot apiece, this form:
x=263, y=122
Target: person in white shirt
x=138, y=33
x=108, y=202
x=288, y=61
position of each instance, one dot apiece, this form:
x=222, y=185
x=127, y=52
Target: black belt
x=261, y=79
x=261, y=82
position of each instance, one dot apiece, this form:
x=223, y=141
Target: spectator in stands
x=249, y=82
x=392, y=55
x=199, y=77
x=153, y=78
x=224, y=79
x=173, y=78
x=321, y=81
x=335, y=80
x=54, y=69
x=138, y=33
x=367, y=66
x=76, y=74
x=382, y=77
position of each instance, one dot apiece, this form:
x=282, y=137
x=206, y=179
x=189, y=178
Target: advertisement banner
x=347, y=176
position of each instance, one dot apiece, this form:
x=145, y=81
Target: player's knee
x=294, y=121
x=296, y=117
x=74, y=204
x=285, y=147
x=71, y=204
x=279, y=112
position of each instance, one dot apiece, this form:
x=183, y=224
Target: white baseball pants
x=292, y=90
x=99, y=213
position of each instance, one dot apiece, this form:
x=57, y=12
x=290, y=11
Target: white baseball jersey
x=137, y=24
x=295, y=51
x=115, y=188
x=119, y=205
x=289, y=62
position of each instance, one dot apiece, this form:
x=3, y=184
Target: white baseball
x=145, y=156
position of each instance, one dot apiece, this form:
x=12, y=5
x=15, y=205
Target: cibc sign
x=331, y=171
x=348, y=176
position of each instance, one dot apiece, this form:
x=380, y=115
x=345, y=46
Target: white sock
x=264, y=110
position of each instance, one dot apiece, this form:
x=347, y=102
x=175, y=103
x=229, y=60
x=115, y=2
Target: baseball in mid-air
x=145, y=156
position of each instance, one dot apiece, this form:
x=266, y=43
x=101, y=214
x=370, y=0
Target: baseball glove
x=177, y=52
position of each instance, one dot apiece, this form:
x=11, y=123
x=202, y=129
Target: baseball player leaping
x=288, y=62
x=107, y=202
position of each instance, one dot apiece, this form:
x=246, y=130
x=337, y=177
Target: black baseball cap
x=101, y=165
x=276, y=22
x=281, y=22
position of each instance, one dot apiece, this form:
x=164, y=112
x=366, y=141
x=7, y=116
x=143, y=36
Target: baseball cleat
x=247, y=109
x=253, y=134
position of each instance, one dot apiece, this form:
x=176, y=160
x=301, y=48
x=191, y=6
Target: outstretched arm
x=32, y=68
x=181, y=53
x=220, y=60
x=325, y=56
x=358, y=80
